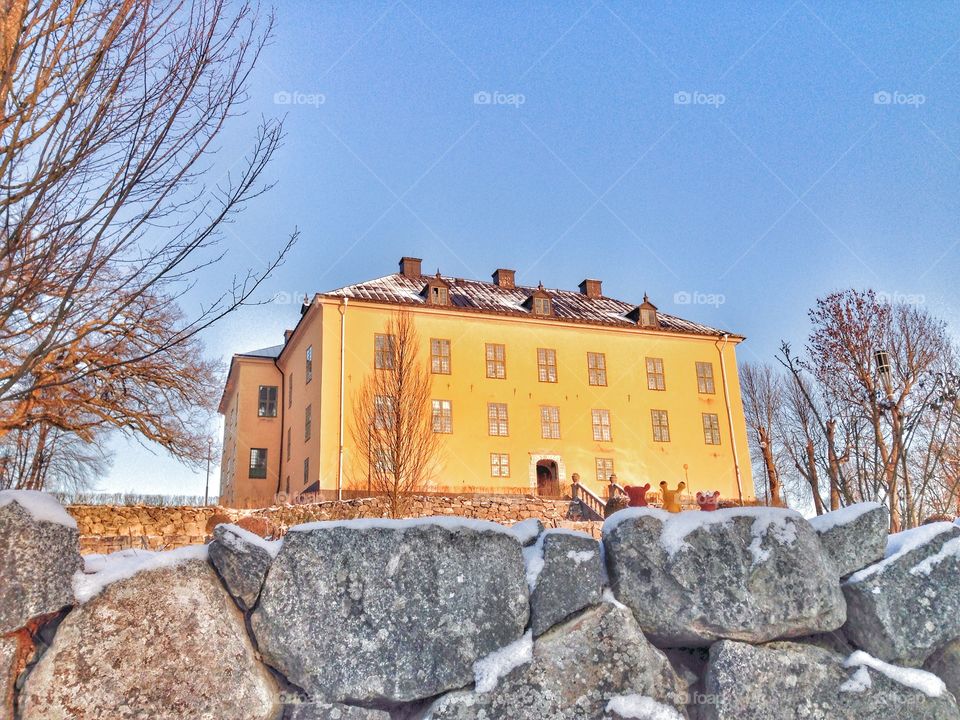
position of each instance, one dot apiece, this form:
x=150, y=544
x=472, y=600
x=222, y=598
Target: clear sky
x=747, y=158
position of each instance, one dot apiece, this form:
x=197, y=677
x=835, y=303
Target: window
x=541, y=306
x=601, y=425
x=648, y=317
x=661, y=426
x=597, y=368
x=442, y=416
x=307, y=421
x=547, y=364
x=439, y=296
x=309, y=375
x=499, y=465
x=604, y=469
x=384, y=460
x=711, y=429
x=550, y=422
x=306, y=471
x=258, y=463
x=655, y=374
x=705, y=378
x=290, y=391
x=289, y=442
x=440, y=356
x=497, y=419
x=267, y=406
x=383, y=412
x=496, y=361
x=383, y=352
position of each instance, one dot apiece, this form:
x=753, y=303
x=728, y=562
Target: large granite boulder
x=751, y=574
x=39, y=553
x=242, y=560
x=164, y=644
x=379, y=611
x=15, y=650
x=573, y=672
x=569, y=578
x=855, y=536
x=333, y=711
x=907, y=606
x=787, y=680
x=945, y=664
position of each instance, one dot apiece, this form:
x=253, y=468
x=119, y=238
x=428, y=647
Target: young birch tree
x=393, y=425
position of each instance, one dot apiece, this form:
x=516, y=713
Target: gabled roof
x=485, y=297
x=272, y=352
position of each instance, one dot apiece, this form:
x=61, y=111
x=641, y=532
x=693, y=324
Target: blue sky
x=748, y=158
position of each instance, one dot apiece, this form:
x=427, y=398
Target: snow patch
x=582, y=556
x=608, y=597
x=641, y=708
x=843, y=516
x=103, y=570
x=921, y=680
x=859, y=682
x=533, y=560
x=235, y=531
x=449, y=522
x=488, y=671
x=42, y=507
x=901, y=543
x=951, y=548
x=526, y=531
x=778, y=522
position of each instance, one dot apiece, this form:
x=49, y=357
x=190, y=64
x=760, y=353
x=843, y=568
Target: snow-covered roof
x=487, y=297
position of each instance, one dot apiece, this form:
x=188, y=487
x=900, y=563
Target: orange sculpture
x=671, y=503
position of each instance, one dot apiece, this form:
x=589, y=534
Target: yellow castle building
x=530, y=386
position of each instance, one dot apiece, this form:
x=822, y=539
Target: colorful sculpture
x=671, y=502
x=708, y=501
x=637, y=494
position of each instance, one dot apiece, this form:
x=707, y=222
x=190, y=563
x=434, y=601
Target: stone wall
x=107, y=528
x=739, y=613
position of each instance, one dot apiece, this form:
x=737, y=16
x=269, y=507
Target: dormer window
x=539, y=302
x=645, y=314
x=436, y=291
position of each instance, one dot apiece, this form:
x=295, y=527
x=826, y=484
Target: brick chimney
x=410, y=267
x=591, y=288
x=505, y=278
x=286, y=336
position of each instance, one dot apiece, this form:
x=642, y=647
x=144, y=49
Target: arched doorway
x=548, y=479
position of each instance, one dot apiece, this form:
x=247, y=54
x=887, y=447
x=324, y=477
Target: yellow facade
x=340, y=332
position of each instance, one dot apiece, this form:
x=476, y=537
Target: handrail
x=589, y=500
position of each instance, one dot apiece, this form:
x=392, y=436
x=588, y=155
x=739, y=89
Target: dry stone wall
x=108, y=528
x=725, y=615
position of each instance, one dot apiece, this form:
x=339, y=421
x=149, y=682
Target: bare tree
x=393, y=425
x=110, y=111
x=763, y=402
x=44, y=457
